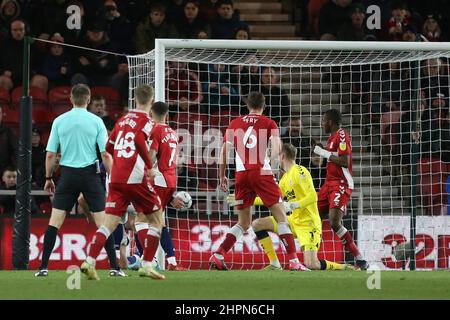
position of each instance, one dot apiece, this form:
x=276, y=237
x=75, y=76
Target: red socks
x=98, y=242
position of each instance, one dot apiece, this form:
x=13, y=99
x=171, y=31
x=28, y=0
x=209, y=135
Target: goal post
x=392, y=95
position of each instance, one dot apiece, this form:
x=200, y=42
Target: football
x=187, y=199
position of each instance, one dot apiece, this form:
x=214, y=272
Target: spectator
x=397, y=23
x=57, y=64
x=434, y=120
x=208, y=10
x=431, y=29
x=174, y=10
x=318, y=169
x=356, y=29
x=435, y=84
x=332, y=17
x=190, y=22
x=154, y=26
x=11, y=64
x=295, y=136
x=247, y=75
x=8, y=144
x=117, y=27
x=202, y=34
x=218, y=91
x=9, y=11
x=227, y=21
x=242, y=33
x=98, y=107
x=37, y=159
x=277, y=101
x=410, y=34
x=91, y=67
x=9, y=182
x=184, y=88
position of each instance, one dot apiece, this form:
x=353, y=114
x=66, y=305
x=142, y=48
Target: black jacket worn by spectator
x=11, y=59
x=332, y=17
x=95, y=69
x=38, y=165
x=9, y=202
x=226, y=28
x=8, y=147
x=188, y=30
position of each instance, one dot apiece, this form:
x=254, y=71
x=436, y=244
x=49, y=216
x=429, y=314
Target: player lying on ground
x=337, y=189
x=163, y=153
x=131, y=177
x=251, y=136
x=297, y=188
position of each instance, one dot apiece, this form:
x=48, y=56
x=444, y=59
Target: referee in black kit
x=76, y=133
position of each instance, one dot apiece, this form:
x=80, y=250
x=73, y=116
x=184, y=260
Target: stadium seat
x=115, y=113
x=11, y=117
x=5, y=98
x=39, y=96
x=59, y=99
x=44, y=137
x=112, y=97
x=46, y=207
x=432, y=173
x=43, y=117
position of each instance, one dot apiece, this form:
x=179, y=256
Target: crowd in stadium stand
x=130, y=27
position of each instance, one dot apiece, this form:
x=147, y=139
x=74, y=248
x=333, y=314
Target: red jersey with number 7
x=129, y=144
x=250, y=137
x=164, y=142
x=339, y=144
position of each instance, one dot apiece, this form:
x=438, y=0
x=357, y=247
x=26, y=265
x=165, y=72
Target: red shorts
x=165, y=194
x=251, y=183
x=333, y=195
x=142, y=196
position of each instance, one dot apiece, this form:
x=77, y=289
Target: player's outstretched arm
x=341, y=160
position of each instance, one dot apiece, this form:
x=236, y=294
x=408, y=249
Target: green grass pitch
x=216, y=285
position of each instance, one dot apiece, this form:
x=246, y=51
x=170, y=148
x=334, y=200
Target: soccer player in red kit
x=252, y=137
x=130, y=179
x=335, y=193
x=163, y=153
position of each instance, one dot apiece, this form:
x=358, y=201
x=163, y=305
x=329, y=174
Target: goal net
x=394, y=100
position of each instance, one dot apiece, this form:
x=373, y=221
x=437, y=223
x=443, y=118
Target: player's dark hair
x=256, y=100
x=160, y=108
x=334, y=115
x=289, y=151
x=8, y=168
x=158, y=7
x=80, y=94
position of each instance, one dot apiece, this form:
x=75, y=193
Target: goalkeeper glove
x=322, y=152
x=290, y=206
x=231, y=200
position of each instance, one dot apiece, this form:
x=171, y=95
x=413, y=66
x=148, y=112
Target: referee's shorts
x=75, y=180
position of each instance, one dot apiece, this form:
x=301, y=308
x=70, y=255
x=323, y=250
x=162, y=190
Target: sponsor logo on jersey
x=110, y=205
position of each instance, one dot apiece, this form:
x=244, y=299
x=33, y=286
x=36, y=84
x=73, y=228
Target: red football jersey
x=164, y=142
x=250, y=136
x=131, y=132
x=339, y=144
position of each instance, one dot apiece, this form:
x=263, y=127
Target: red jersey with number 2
x=250, y=137
x=164, y=142
x=131, y=131
x=339, y=144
